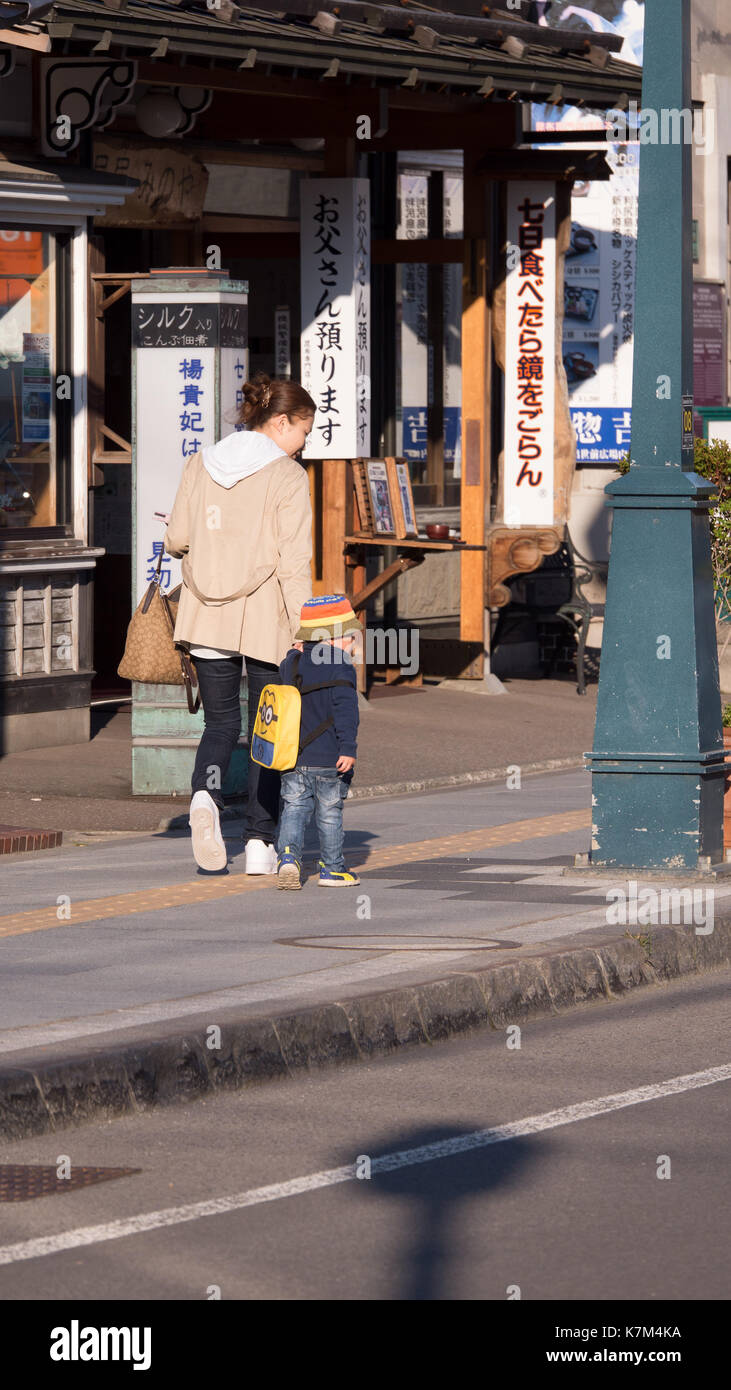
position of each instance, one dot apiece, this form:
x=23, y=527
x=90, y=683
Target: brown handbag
x=150, y=654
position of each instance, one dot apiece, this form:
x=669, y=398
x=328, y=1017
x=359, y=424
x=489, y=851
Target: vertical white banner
x=335, y=341
x=530, y=353
x=180, y=406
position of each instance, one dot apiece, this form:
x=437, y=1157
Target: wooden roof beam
x=397, y=20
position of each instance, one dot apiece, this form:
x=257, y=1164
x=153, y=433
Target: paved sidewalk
x=119, y=958
x=406, y=735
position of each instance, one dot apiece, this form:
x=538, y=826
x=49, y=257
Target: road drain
x=20, y=1182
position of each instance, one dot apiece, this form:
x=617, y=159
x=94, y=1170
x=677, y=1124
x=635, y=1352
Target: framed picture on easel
x=384, y=521
x=404, y=498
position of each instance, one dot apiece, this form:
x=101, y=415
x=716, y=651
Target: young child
x=320, y=779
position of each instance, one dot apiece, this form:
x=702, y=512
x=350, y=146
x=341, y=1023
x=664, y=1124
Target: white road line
x=406, y=1158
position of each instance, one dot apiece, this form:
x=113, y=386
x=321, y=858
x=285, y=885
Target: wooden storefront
x=248, y=101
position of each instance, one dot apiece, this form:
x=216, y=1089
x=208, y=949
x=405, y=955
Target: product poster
x=599, y=291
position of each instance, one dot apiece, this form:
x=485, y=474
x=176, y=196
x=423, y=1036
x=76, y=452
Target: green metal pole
x=657, y=762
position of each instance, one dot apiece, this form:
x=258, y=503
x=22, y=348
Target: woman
x=242, y=523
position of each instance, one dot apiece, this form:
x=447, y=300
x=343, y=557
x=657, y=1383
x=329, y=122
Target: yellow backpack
x=275, y=739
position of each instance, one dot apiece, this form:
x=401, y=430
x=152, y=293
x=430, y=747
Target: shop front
x=204, y=133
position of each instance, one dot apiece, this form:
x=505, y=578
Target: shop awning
x=380, y=45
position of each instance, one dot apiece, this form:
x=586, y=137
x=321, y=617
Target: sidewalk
x=429, y=736
x=131, y=979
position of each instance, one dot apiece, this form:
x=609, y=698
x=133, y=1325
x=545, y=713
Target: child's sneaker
x=332, y=879
x=288, y=870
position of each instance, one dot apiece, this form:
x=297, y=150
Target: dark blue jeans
x=219, y=681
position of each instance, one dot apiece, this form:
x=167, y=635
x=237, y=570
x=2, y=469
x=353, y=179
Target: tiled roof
x=378, y=44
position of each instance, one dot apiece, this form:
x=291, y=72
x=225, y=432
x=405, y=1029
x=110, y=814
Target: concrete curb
x=426, y=784
x=127, y=1078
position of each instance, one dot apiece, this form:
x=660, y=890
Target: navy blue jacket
x=339, y=702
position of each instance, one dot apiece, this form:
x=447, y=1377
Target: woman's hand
x=344, y=764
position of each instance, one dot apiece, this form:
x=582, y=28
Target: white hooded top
x=238, y=456
x=231, y=459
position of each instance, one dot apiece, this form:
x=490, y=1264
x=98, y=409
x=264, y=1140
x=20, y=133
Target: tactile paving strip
x=91, y=910
x=20, y=1182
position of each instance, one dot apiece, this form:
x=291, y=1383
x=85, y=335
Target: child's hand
x=344, y=764
x=298, y=646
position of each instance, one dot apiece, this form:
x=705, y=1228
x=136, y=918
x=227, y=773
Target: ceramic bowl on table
x=437, y=532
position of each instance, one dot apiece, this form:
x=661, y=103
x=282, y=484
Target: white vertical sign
x=530, y=354
x=335, y=341
x=190, y=361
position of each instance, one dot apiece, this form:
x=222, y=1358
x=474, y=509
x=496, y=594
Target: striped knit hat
x=328, y=615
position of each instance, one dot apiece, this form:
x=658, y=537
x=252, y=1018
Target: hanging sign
x=530, y=330
x=336, y=325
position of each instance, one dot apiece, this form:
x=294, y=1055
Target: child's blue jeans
x=318, y=789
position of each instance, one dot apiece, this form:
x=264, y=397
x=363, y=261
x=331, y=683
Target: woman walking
x=242, y=523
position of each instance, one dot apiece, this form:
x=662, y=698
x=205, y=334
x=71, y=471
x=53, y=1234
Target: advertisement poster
x=36, y=388
x=599, y=297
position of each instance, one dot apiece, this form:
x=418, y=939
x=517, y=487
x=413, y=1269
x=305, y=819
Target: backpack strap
x=324, y=685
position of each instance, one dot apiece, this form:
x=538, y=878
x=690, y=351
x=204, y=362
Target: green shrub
x=712, y=460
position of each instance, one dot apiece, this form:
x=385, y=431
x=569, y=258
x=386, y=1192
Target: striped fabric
x=330, y=612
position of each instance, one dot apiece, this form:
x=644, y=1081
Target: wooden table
x=416, y=548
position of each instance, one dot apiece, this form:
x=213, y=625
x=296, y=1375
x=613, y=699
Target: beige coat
x=255, y=536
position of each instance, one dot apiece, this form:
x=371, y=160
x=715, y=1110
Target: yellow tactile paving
x=85, y=912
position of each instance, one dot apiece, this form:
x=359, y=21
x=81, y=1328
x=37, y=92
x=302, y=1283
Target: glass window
x=429, y=310
x=34, y=453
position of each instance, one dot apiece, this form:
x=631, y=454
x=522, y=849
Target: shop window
x=36, y=402
x=429, y=308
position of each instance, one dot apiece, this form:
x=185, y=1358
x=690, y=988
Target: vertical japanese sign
x=709, y=343
x=336, y=326
x=530, y=329
x=186, y=344
x=282, y=341
x=234, y=360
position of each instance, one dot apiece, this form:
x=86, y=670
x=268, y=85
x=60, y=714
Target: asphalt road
x=571, y=1205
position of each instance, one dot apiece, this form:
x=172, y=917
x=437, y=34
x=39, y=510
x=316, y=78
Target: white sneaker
x=209, y=850
x=260, y=858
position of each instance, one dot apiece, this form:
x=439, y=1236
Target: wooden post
x=336, y=486
x=475, y=411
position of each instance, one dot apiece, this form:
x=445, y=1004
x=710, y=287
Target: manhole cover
x=403, y=942
x=20, y=1182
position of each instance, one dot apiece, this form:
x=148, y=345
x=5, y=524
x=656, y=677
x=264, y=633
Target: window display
x=29, y=491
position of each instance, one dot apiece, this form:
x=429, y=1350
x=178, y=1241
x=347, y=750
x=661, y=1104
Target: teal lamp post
x=657, y=762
